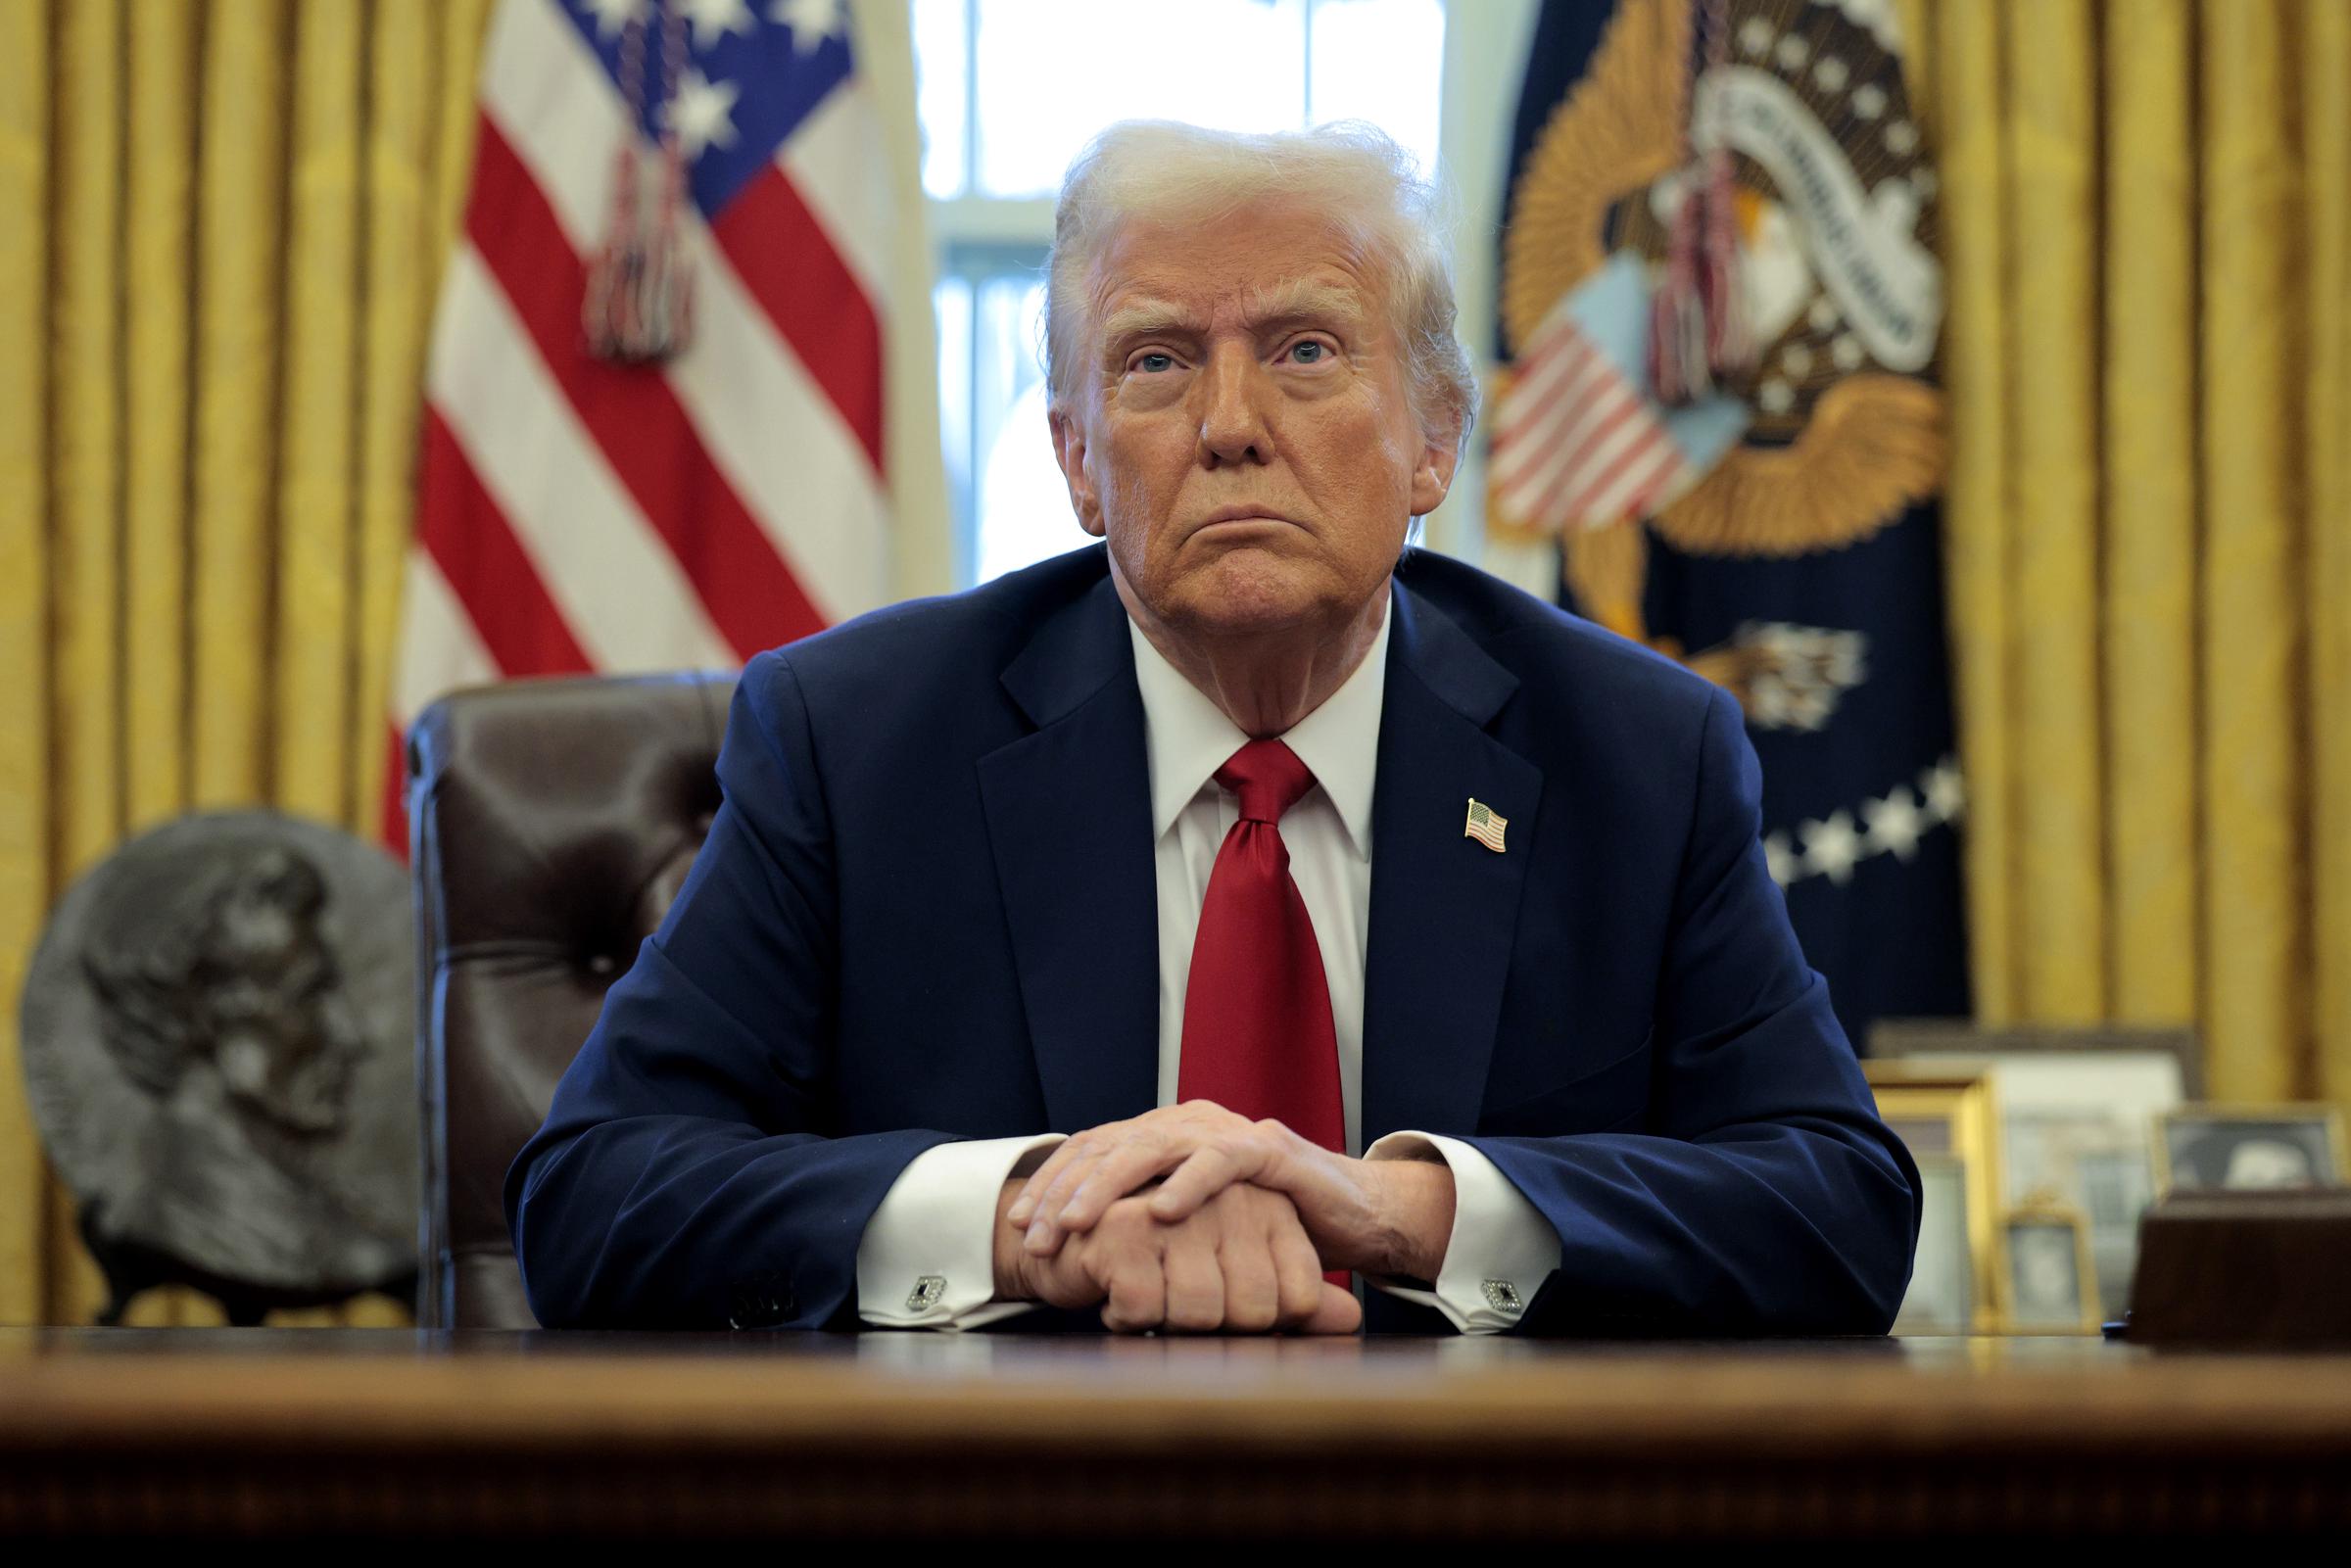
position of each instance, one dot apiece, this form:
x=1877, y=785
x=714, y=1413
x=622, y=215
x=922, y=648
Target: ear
x=1069, y=449
x=1432, y=477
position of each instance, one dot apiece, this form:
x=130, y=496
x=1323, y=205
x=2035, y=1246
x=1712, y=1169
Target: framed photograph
x=2075, y=1108
x=2238, y=1148
x=2051, y=1287
x=1965, y=1039
x=1941, y=1295
x=1949, y=1114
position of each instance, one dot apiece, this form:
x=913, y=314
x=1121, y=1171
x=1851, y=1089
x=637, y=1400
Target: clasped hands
x=1196, y=1219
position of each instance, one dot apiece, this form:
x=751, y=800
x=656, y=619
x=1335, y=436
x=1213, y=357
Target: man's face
x=1243, y=433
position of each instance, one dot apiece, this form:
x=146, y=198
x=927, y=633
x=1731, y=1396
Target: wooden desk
x=315, y=1433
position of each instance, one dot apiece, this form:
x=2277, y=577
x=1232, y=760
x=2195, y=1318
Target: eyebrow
x=1298, y=298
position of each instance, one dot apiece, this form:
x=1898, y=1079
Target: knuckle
x=1255, y=1315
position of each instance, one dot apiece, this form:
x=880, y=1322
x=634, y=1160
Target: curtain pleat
x=397, y=266
x=158, y=236
x=85, y=350
x=2325, y=48
x=241, y=143
x=25, y=39
x=2252, y=756
x=85, y=371
x=1969, y=114
x=225, y=224
x=2148, y=520
x=2053, y=510
x=317, y=482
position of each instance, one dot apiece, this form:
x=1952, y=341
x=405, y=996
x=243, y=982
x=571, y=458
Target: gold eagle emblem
x=1835, y=200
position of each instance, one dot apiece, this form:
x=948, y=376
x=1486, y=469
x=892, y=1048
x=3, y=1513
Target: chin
x=1250, y=591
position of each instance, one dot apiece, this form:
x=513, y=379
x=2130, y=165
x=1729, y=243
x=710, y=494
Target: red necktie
x=1257, y=1032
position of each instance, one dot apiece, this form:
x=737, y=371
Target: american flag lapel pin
x=1485, y=825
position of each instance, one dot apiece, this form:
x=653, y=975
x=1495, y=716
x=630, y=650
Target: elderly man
x=1248, y=842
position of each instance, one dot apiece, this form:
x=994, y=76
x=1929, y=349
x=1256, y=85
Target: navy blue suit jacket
x=926, y=911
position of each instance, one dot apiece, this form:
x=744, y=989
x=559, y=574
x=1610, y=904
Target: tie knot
x=1268, y=777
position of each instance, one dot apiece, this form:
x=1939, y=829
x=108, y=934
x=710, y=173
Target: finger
x=1298, y=1269
x=1338, y=1314
x=1122, y=1172
x=1195, y=1286
x=1208, y=1171
x=1044, y=1232
x=1251, y=1284
x=1137, y=1295
x=1024, y=1203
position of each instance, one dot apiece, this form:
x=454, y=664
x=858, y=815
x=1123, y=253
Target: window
x=994, y=148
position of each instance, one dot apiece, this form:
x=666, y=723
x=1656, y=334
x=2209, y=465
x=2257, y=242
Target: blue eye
x=1311, y=353
x=1155, y=362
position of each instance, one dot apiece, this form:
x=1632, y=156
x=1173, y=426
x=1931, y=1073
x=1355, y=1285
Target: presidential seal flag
x=653, y=428
x=1731, y=198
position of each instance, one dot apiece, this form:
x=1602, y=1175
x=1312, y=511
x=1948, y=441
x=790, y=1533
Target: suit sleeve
x=1764, y=1196
x=686, y=1176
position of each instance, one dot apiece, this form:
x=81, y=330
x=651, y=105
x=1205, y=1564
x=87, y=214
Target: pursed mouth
x=1228, y=515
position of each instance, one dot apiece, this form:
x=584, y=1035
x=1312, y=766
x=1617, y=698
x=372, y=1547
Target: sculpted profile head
x=225, y=971
x=1255, y=381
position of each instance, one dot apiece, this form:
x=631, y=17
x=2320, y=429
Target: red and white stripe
x=576, y=515
x=1576, y=443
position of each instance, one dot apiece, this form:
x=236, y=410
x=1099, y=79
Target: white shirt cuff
x=1501, y=1250
x=927, y=1259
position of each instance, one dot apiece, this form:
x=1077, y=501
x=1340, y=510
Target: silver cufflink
x=1502, y=1297
x=925, y=1293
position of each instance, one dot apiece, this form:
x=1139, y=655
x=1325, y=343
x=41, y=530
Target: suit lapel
x=1444, y=907
x=1069, y=821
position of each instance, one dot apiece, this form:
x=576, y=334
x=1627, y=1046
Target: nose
x=1233, y=424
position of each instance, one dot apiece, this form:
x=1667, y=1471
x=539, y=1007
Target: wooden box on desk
x=2261, y=1270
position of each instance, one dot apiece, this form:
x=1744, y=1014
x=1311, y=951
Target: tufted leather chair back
x=551, y=823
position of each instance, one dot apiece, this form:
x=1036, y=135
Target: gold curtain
x=221, y=226
x=2147, y=209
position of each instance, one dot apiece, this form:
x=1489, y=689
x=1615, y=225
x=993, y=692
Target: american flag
x=580, y=514
x=1485, y=826
x=1579, y=442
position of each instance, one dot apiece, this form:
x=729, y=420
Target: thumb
x=1339, y=1312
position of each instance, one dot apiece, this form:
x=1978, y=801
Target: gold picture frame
x=1947, y=1110
x=2024, y=1295
x=2332, y=1161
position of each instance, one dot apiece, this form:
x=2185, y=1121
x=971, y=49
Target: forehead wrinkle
x=1294, y=298
x=1149, y=314
x=1290, y=299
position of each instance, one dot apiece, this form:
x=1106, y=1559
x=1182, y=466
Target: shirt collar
x=1188, y=738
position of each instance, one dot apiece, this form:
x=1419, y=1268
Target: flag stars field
x=704, y=113
x=713, y=20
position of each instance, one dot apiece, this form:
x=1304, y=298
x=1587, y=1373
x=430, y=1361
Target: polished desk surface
x=196, y=1431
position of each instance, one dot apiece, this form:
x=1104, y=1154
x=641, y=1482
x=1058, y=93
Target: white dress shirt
x=927, y=1259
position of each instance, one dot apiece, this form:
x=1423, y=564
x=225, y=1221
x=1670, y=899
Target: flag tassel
x=1698, y=340
x=639, y=308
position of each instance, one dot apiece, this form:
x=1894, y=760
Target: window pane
x=941, y=60
x=1380, y=59
x=1054, y=71
x=951, y=304
x=1023, y=506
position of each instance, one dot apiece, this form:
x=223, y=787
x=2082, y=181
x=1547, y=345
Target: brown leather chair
x=551, y=823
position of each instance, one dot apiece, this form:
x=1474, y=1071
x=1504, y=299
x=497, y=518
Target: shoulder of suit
x=972, y=633
x=1554, y=651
